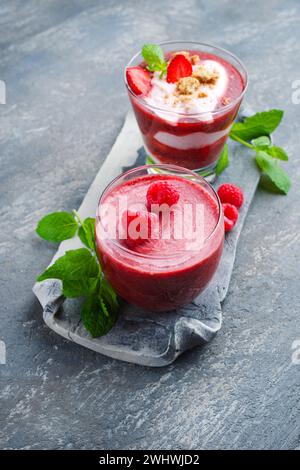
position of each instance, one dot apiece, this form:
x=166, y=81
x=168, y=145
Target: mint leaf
x=95, y=316
x=277, y=152
x=86, y=233
x=223, y=161
x=271, y=168
x=263, y=141
x=108, y=295
x=80, y=271
x=260, y=124
x=257, y=130
x=57, y=227
x=154, y=57
x=73, y=265
x=153, y=54
x=80, y=288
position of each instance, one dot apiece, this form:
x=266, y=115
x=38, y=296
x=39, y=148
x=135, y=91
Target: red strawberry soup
x=186, y=101
x=173, y=250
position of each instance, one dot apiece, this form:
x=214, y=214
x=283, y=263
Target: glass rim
x=166, y=167
x=213, y=112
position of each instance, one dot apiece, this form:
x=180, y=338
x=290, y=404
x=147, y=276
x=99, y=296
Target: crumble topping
x=187, y=86
x=185, y=53
x=199, y=93
x=195, y=59
x=205, y=77
x=181, y=99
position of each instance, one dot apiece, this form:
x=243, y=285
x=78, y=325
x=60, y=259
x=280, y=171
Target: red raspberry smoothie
x=185, y=115
x=174, y=262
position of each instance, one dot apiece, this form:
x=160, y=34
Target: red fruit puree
x=161, y=273
x=192, y=139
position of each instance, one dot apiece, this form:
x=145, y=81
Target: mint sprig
x=271, y=167
x=154, y=58
x=96, y=317
x=57, y=227
x=223, y=161
x=79, y=270
x=259, y=124
x=254, y=132
x=86, y=233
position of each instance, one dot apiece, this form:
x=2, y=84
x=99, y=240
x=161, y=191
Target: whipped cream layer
x=164, y=95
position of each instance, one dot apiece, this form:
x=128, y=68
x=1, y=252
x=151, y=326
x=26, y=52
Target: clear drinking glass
x=168, y=278
x=193, y=141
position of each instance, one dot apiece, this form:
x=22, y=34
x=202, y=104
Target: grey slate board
x=141, y=337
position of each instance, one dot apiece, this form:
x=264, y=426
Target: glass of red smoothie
x=187, y=123
x=177, y=258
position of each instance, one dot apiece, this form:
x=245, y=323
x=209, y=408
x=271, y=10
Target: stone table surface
x=62, y=64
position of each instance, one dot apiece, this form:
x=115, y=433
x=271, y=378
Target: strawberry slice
x=179, y=67
x=139, y=80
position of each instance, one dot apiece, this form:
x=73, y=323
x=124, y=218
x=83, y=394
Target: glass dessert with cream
x=185, y=97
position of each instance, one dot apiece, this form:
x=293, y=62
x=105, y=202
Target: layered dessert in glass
x=186, y=113
x=159, y=236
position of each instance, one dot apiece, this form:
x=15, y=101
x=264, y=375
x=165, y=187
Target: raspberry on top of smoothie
x=159, y=214
x=187, y=82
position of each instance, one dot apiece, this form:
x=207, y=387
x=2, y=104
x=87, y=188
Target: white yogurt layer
x=162, y=94
x=190, y=141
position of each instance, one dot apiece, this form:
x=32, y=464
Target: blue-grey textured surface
x=61, y=62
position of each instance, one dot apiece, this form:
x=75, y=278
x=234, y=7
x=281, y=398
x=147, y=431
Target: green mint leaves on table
x=57, y=227
x=261, y=124
x=154, y=57
x=80, y=271
x=223, y=161
x=254, y=132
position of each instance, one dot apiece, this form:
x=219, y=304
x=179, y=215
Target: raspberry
x=231, y=215
x=179, y=67
x=139, y=226
x=231, y=194
x=139, y=80
x=161, y=192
